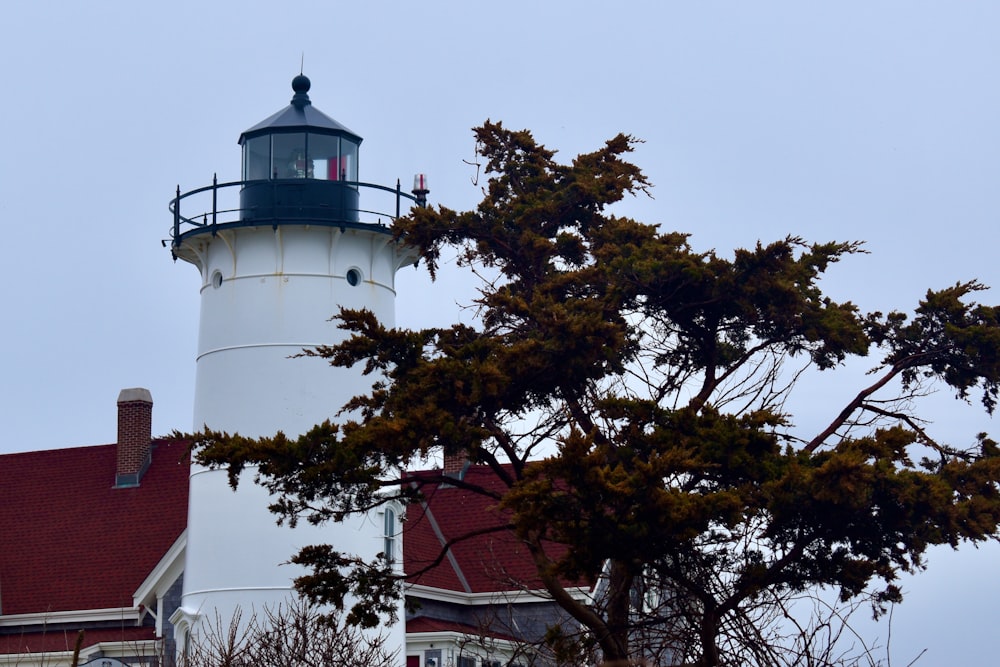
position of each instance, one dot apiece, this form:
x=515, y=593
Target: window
x=300, y=155
x=389, y=547
x=348, y=160
x=288, y=156
x=466, y=661
x=256, y=158
x=324, y=151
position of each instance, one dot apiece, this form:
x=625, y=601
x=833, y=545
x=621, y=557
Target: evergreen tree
x=630, y=393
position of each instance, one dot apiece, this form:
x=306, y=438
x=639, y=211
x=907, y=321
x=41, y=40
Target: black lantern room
x=300, y=163
x=299, y=167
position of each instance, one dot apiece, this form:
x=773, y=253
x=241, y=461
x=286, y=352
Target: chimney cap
x=135, y=394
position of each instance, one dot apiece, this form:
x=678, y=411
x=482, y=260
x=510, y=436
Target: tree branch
x=859, y=399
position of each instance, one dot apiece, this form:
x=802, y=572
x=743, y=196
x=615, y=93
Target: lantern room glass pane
x=324, y=151
x=349, y=159
x=288, y=156
x=256, y=158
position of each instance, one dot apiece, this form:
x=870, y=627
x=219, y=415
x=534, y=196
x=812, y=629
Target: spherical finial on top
x=301, y=85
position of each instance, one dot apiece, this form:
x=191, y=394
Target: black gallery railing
x=286, y=201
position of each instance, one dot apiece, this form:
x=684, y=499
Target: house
x=93, y=538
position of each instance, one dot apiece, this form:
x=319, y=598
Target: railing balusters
x=177, y=213
x=196, y=225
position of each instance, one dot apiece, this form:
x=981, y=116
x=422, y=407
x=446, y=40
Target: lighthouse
x=279, y=253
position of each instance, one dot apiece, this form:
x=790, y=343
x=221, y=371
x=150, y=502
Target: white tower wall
x=266, y=295
x=279, y=289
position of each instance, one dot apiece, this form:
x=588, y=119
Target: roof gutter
x=115, y=614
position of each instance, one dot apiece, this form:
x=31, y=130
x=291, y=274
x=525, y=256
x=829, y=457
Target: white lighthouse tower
x=274, y=268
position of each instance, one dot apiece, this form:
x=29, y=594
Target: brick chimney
x=456, y=463
x=135, y=431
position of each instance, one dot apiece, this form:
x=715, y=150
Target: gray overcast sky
x=859, y=120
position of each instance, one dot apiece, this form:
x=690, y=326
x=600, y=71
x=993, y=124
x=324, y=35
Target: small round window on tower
x=353, y=277
x=217, y=279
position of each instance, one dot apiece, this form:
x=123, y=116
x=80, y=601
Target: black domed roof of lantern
x=300, y=115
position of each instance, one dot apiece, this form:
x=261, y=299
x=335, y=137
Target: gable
x=485, y=556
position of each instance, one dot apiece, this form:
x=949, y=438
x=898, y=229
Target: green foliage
x=630, y=393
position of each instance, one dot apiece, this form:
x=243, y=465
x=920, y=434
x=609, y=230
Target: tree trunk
x=616, y=644
x=709, y=631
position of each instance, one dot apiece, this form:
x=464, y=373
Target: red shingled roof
x=495, y=561
x=426, y=624
x=65, y=640
x=70, y=541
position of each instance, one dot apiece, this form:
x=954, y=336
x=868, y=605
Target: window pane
x=390, y=522
x=389, y=548
x=349, y=160
x=288, y=156
x=256, y=158
x=324, y=151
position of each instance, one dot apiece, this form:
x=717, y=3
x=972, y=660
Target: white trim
x=451, y=643
x=434, y=637
x=50, y=659
x=230, y=589
x=184, y=622
x=474, y=599
x=156, y=584
x=123, y=649
x=182, y=616
x=163, y=575
x=74, y=616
